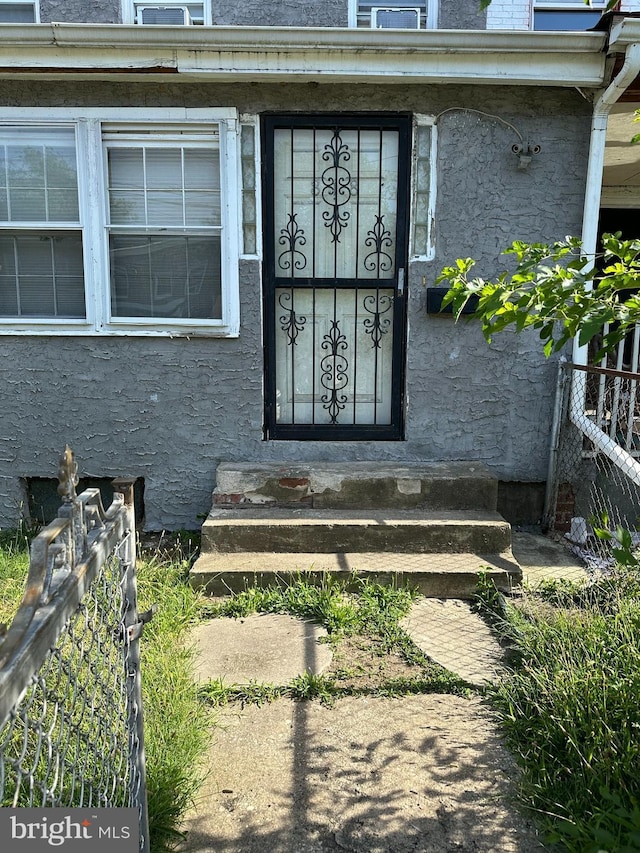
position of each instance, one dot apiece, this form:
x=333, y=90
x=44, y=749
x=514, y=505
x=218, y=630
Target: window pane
x=38, y=168
x=126, y=168
x=202, y=208
x=26, y=165
x=41, y=275
x=17, y=13
x=27, y=205
x=156, y=276
x=127, y=207
x=575, y=20
x=164, y=207
x=60, y=164
x=164, y=187
x=164, y=169
x=202, y=187
x=201, y=170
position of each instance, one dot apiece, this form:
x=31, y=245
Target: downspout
x=602, y=107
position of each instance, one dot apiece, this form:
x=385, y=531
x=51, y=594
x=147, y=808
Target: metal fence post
x=133, y=623
x=559, y=413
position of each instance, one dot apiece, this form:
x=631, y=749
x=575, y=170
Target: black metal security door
x=336, y=222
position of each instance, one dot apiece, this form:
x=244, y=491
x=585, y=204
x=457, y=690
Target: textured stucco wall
x=461, y=15
x=284, y=13
x=170, y=410
x=81, y=11
x=452, y=14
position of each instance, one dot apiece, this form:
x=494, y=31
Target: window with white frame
x=41, y=264
x=154, y=13
x=164, y=224
x=19, y=13
x=394, y=15
x=119, y=227
x=566, y=15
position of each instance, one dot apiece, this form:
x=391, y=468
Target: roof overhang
x=105, y=51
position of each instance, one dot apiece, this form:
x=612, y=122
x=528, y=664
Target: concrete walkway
x=419, y=774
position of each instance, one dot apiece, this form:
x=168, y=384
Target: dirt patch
x=361, y=663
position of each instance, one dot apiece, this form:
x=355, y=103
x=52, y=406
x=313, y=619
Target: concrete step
x=357, y=485
x=334, y=531
x=435, y=575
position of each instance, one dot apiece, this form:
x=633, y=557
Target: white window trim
x=129, y=14
x=93, y=216
x=34, y=3
x=432, y=13
x=426, y=253
x=252, y=120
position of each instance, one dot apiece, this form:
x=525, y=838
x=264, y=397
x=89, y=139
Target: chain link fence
x=593, y=498
x=71, y=730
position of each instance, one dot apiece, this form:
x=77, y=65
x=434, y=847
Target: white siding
x=509, y=15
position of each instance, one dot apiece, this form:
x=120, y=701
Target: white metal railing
x=594, y=474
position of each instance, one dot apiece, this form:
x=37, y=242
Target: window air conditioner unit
x=395, y=18
x=168, y=16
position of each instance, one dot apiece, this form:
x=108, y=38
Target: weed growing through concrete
x=372, y=655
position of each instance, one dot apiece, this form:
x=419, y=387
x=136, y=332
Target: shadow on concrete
x=420, y=774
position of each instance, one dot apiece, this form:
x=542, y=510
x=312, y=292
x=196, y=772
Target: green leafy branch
x=556, y=290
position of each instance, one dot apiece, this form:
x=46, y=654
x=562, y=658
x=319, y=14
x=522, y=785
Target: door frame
x=394, y=431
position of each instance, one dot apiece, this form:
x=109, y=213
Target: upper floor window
x=19, y=13
x=393, y=15
x=171, y=13
x=566, y=14
x=114, y=227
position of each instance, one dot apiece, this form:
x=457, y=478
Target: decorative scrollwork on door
x=292, y=236
x=335, y=238
x=379, y=238
x=290, y=322
x=334, y=367
x=377, y=325
x=336, y=186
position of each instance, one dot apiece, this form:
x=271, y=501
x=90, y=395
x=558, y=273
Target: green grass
x=362, y=620
x=177, y=721
x=372, y=608
x=14, y=566
x=571, y=709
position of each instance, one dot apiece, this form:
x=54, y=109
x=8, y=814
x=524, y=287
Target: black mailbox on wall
x=435, y=295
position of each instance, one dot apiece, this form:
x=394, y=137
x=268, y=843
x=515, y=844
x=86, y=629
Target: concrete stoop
x=433, y=525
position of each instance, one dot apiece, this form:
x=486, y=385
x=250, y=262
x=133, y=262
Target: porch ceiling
x=621, y=175
x=323, y=54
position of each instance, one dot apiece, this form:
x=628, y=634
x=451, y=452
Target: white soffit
x=302, y=54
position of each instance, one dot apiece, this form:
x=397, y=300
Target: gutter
x=283, y=54
x=260, y=38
